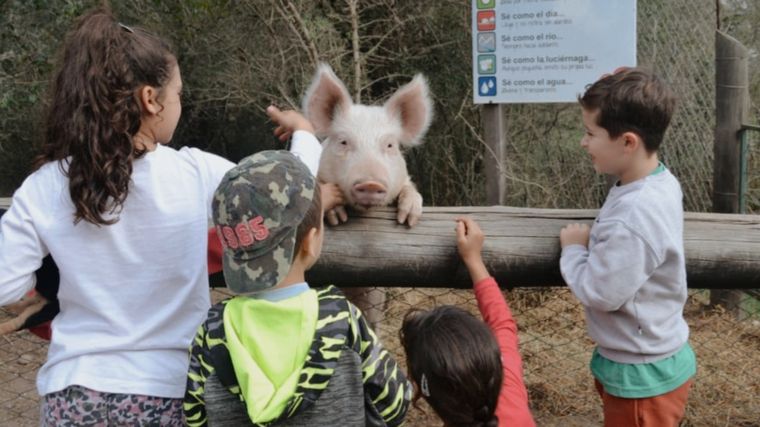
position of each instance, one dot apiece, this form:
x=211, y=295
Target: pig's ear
x=325, y=99
x=412, y=105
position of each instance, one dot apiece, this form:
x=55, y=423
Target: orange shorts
x=657, y=411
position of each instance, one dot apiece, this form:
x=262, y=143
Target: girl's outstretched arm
x=513, y=401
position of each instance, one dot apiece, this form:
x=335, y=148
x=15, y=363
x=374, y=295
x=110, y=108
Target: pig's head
x=363, y=144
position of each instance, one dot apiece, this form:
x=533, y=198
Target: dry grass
x=555, y=350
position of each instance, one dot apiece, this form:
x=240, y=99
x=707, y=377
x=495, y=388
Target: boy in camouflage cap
x=257, y=209
x=281, y=353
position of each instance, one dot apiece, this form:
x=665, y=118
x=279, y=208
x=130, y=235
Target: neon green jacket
x=278, y=356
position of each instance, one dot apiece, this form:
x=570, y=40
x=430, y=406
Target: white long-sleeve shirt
x=133, y=293
x=632, y=278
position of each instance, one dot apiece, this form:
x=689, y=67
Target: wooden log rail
x=521, y=248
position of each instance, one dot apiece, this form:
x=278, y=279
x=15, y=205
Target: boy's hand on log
x=331, y=196
x=574, y=234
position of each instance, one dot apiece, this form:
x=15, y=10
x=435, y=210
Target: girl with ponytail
x=125, y=218
x=470, y=372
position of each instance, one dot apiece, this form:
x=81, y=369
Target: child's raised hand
x=288, y=121
x=470, y=246
x=469, y=239
x=574, y=234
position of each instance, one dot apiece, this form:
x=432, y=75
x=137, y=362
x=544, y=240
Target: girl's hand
x=469, y=239
x=574, y=234
x=470, y=246
x=289, y=121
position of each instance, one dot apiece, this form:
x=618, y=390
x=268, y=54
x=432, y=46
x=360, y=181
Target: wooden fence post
x=495, y=130
x=731, y=110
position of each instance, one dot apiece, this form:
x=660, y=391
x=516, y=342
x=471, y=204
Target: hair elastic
x=424, y=387
x=129, y=29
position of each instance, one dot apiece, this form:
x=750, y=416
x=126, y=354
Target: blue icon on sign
x=487, y=86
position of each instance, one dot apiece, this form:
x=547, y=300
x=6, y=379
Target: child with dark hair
x=469, y=372
x=39, y=306
x=125, y=217
x=280, y=352
x=628, y=270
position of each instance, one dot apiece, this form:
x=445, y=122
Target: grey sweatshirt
x=632, y=278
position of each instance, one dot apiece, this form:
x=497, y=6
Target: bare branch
x=355, y=47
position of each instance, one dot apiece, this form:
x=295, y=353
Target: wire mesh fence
x=676, y=40
x=544, y=164
x=752, y=193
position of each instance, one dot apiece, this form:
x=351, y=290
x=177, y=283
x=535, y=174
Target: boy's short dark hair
x=632, y=100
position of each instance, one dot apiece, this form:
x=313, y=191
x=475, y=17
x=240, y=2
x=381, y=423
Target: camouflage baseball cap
x=257, y=209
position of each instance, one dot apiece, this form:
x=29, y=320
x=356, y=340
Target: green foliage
x=31, y=33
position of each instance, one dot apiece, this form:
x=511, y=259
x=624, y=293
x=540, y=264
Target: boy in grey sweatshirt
x=628, y=269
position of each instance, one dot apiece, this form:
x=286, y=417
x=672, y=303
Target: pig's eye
x=344, y=143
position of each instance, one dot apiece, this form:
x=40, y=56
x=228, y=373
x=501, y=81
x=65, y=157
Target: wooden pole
x=521, y=248
x=731, y=110
x=495, y=130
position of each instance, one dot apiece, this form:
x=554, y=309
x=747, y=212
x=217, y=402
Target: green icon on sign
x=486, y=4
x=486, y=64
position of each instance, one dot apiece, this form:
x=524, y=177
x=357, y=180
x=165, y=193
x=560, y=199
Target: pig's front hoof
x=409, y=209
x=411, y=219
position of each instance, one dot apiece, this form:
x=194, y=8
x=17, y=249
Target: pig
x=362, y=154
x=363, y=144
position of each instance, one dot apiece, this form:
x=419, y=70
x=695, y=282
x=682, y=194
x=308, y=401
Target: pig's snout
x=369, y=193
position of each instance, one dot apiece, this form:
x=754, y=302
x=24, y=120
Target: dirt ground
x=555, y=350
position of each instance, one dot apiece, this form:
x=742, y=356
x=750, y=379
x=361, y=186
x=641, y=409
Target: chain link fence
x=676, y=40
x=752, y=194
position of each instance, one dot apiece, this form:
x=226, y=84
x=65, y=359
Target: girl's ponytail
x=455, y=360
x=485, y=417
x=95, y=111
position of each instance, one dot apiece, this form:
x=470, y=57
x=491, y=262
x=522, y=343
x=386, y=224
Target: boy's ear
x=148, y=99
x=631, y=141
x=310, y=244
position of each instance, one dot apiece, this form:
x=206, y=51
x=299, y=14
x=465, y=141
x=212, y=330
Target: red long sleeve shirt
x=512, y=409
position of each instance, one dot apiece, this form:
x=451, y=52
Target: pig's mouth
x=363, y=207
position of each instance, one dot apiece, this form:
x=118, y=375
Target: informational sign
x=548, y=50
